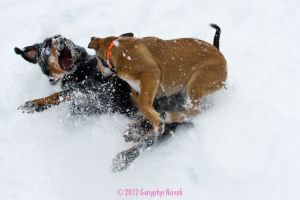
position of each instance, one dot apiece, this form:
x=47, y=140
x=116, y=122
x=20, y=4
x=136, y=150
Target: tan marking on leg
x=53, y=99
x=135, y=97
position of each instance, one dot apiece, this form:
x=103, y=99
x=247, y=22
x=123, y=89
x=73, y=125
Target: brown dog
x=154, y=68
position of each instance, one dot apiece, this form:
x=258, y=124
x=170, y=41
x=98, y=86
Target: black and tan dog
x=63, y=61
x=160, y=68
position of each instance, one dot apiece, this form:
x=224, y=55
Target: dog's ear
x=95, y=43
x=127, y=35
x=29, y=53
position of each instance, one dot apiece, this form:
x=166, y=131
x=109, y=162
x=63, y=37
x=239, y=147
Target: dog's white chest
x=134, y=84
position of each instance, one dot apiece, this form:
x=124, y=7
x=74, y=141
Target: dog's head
x=56, y=56
x=100, y=46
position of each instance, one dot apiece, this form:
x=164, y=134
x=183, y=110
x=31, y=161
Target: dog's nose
x=93, y=38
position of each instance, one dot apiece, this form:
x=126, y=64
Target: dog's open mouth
x=65, y=59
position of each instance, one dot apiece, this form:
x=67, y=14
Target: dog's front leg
x=149, y=85
x=38, y=105
x=138, y=127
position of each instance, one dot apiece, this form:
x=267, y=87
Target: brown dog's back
x=179, y=58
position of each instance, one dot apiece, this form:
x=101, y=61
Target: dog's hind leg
x=200, y=85
x=124, y=158
x=192, y=109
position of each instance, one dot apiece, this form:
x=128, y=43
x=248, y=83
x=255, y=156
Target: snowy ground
x=245, y=146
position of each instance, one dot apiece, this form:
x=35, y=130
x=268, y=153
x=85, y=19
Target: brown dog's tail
x=217, y=35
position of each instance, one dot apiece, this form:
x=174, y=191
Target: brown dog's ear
x=95, y=43
x=29, y=53
x=127, y=35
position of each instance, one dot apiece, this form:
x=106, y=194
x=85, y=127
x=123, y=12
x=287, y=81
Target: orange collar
x=108, y=52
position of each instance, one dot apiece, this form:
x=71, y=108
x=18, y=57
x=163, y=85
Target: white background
x=246, y=146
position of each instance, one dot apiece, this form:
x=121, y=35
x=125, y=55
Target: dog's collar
x=108, y=54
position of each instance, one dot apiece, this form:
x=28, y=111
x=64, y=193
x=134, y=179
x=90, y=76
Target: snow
x=245, y=146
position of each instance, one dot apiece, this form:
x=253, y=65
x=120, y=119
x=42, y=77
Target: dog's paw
x=149, y=139
x=123, y=159
x=160, y=129
x=131, y=135
x=31, y=107
x=136, y=130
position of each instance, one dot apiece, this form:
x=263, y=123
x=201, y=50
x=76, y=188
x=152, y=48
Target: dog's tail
x=217, y=35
